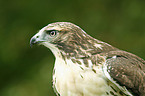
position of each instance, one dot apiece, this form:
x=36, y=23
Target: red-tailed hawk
x=85, y=66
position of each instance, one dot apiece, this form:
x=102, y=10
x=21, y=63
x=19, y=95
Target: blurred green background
x=26, y=71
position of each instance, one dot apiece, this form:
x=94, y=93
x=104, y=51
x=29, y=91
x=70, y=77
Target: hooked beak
x=35, y=40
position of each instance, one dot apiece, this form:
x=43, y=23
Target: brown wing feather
x=128, y=70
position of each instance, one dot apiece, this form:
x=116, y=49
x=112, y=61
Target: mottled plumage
x=85, y=66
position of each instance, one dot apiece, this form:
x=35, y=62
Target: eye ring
x=52, y=33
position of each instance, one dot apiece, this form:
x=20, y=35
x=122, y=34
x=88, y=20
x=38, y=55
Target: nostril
x=37, y=36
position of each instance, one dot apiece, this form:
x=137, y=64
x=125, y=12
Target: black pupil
x=52, y=33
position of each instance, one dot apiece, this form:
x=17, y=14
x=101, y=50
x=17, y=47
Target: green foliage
x=27, y=71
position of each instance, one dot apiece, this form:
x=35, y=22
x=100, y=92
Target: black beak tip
x=32, y=41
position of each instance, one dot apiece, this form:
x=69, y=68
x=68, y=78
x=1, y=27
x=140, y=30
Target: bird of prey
x=85, y=66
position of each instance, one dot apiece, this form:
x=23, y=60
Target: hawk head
x=70, y=40
x=56, y=34
x=66, y=37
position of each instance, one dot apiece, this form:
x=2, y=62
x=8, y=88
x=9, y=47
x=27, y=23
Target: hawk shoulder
x=127, y=70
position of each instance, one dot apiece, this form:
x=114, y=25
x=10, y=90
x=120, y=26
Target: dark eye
x=51, y=32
